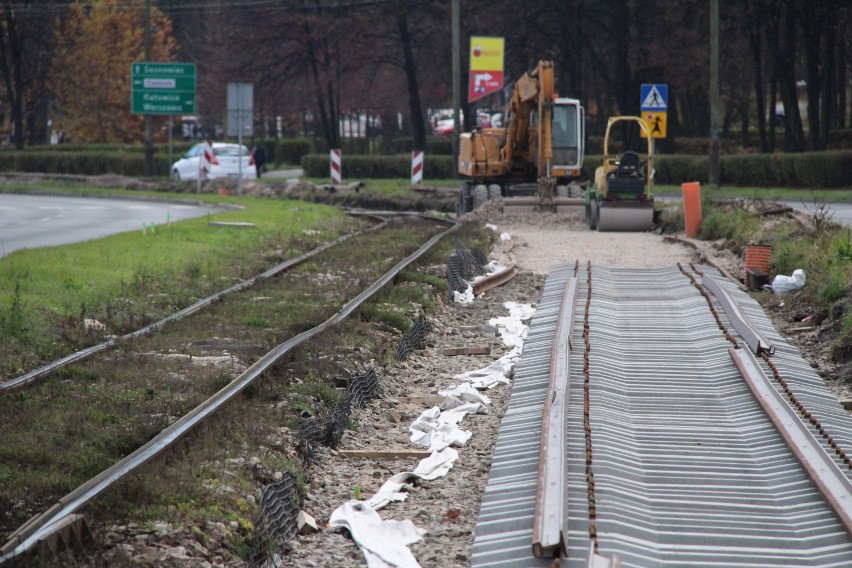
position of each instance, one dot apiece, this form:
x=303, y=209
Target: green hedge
x=83, y=163
x=178, y=148
x=364, y=167
x=287, y=150
x=815, y=169
x=807, y=169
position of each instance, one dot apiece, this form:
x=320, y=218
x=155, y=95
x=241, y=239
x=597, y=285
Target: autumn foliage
x=95, y=47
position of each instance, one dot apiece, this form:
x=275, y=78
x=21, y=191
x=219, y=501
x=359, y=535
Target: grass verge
x=127, y=280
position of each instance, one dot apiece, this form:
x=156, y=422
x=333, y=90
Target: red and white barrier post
x=416, y=167
x=206, y=158
x=336, y=168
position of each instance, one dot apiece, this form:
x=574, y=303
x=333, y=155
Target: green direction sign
x=162, y=88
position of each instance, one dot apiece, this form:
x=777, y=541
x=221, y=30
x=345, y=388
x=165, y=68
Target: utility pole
x=456, y=84
x=149, y=145
x=715, y=103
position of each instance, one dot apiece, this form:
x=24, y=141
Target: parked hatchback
x=227, y=159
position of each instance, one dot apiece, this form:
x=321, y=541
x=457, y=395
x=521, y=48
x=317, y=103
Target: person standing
x=259, y=154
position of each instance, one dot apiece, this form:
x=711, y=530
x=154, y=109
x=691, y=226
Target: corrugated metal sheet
x=688, y=470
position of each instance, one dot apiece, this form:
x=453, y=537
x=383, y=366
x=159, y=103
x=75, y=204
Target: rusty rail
x=41, y=527
x=494, y=280
x=551, y=515
x=187, y=311
x=829, y=479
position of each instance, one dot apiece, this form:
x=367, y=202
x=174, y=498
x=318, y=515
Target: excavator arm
x=528, y=163
x=528, y=139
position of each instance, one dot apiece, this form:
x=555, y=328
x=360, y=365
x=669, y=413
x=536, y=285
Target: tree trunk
x=324, y=96
x=772, y=38
x=10, y=68
x=812, y=27
x=743, y=110
x=755, y=39
x=827, y=83
x=418, y=122
x=794, y=136
x=841, y=92
x=727, y=119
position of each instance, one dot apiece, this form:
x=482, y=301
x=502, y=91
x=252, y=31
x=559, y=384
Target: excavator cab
x=567, y=134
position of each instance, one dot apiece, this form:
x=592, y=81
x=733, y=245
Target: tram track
x=57, y=517
x=195, y=307
x=670, y=459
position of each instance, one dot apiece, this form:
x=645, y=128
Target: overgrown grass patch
x=726, y=220
x=841, y=350
x=131, y=279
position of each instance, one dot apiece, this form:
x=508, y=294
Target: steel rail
x=43, y=525
x=189, y=310
x=691, y=243
x=829, y=479
x=550, y=511
x=494, y=280
x=756, y=341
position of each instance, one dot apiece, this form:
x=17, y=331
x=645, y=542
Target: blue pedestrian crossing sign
x=654, y=97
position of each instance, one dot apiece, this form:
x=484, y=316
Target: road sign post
x=240, y=118
x=162, y=88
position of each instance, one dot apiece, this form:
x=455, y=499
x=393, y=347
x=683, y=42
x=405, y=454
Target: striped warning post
x=206, y=159
x=416, y=167
x=336, y=168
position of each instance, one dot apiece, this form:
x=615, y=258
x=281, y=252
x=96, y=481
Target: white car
x=225, y=163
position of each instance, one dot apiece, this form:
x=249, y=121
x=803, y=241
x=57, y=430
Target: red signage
x=486, y=67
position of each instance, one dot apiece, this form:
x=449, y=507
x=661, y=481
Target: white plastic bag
x=782, y=284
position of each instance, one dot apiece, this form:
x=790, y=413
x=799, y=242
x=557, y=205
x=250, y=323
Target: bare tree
x=25, y=50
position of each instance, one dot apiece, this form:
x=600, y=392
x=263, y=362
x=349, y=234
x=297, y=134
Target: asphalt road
x=31, y=221
x=838, y=212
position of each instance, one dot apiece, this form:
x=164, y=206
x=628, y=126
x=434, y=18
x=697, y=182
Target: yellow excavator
x=536, y=161
x=622, y=197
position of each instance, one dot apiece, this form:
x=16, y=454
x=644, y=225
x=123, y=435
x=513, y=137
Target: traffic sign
x=240, y=109
x=486, y=67
x=656, y=124
x=162, y=88
x=654, y=97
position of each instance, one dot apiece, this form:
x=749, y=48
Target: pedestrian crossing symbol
x=656, y=122
x=654, y=97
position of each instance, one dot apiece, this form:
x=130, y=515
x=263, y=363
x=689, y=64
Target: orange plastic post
x=691, y=207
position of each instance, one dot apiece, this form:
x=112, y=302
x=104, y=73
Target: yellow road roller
x=622, y=196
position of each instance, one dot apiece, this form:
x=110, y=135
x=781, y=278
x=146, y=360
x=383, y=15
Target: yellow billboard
x=486, y=66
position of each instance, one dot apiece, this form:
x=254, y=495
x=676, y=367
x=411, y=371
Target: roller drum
x=625, y=218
